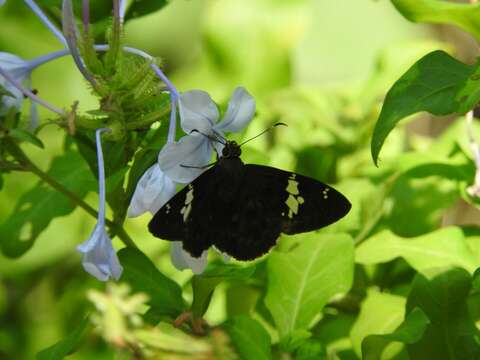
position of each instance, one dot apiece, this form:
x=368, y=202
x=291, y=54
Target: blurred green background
x=320, y=66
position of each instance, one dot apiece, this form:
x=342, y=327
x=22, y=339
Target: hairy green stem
x=20, y=156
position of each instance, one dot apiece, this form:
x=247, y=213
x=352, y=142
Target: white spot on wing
x=188, y=203
x=294, y=199
x=325, y=193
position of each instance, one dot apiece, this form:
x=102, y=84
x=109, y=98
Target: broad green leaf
x=423, y=199
x=116, y=179
x=409, y=332
x=241, y=298
x=451, y=334
x=465, y=16
x=249, y=338
x=142, y=275
x=301, y=281
x=333, y=327
x=441, y=248
x=381, y=313
x=27, y=136
x=66, y=346
x=431, y=84
x=420, y=165
x=204, y=285
x=144, y=7
x=38, y=207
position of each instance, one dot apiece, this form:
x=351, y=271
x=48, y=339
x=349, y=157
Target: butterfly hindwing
x=304, y=204
x=269, y=201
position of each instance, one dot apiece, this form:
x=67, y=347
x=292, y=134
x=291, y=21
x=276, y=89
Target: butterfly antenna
x=215, y=136
x=263, y=132
x=219, y=138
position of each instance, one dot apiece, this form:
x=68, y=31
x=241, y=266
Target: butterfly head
x=231, y=150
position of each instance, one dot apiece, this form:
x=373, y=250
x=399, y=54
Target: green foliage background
x=399, y=269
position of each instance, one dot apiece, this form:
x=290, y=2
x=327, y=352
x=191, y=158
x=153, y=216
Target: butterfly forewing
x=181, y=216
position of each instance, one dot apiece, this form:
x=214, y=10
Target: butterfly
x=241, y=209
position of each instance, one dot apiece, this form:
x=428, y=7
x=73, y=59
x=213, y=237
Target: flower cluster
x=199, y=119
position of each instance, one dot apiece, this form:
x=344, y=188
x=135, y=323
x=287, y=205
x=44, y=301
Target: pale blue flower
x=181, y=161
x=99, y=257
x=153, y=190
x=181, y=259
x=2, y=2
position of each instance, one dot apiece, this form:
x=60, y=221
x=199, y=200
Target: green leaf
x=144, y=7
x=381, y=313
x=249, y=337
x=431, y=84
x=451, y=333
x=66, y=346
x=142, y=275
x=302, y=281
x=465, y=16
x=311, y=350
x=424, y=200
x=441, y=248
x=409, y=332
x=27, y=136
x=422, y=165
x=116, y=180
x=38, y=207
x=204, y=285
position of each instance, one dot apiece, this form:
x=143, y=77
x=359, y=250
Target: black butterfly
x=242, y=209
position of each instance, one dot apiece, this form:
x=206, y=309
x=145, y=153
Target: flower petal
x=19, y=70
x=183, y=260
x=191, y=150
x=18, y=67
x=99, y=258
x=197, y=111
x=153, y=190
x=241, y=109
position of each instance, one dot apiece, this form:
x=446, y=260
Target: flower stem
x=85, y=15
x=25, y=161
